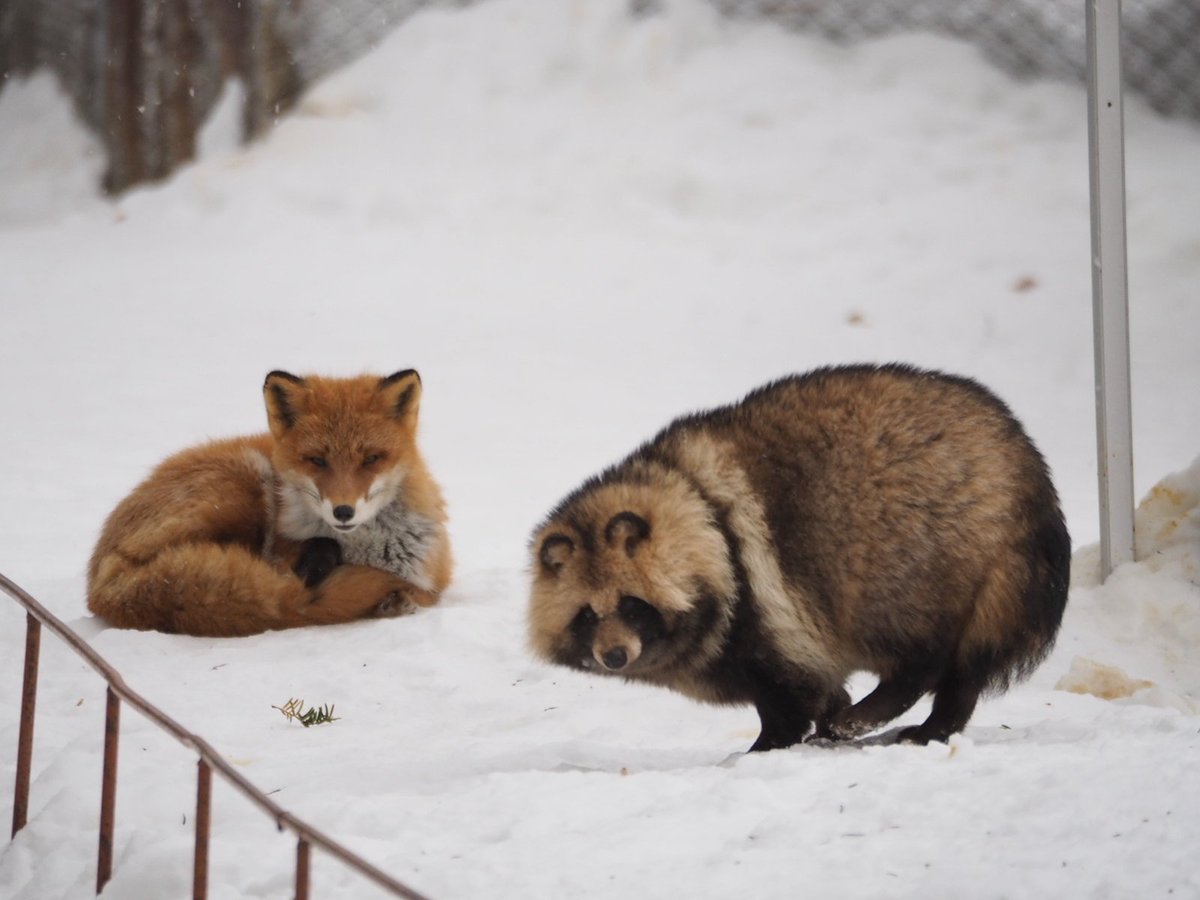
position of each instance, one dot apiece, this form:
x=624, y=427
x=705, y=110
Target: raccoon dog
x=883, y=519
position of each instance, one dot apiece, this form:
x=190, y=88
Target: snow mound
x=1168, y=518
x=1107, y=682
x=1145, y=619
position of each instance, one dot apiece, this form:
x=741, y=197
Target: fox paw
x=396, y=603
x=318, y=557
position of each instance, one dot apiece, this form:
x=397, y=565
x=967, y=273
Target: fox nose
x=343, y=513
x=615, y=658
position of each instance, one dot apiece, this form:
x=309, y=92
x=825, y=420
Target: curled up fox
x=331, y=516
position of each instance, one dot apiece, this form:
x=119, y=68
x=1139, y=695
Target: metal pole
x=33, y=643
x=1110, y=283
x=108, y=790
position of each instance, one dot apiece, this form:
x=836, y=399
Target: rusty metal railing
x=210, y=761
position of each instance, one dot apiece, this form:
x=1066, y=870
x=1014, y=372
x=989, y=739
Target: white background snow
x=577, y=225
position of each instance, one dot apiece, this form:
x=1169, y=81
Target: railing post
x=302, y=869
x=1110, y=283
x=37, y=618
x=33, y=643
x=203, y=818
x=108, y=789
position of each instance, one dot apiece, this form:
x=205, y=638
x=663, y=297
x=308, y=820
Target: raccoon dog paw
x=845, y=726
x=769, y=742
x=919, y=734
x=837, y=702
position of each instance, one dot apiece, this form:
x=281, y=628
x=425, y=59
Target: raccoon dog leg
x=953, y=703
x=893, y=696
x=787, y=711
x=783, y=724
x=836, y=702
x=988, y=657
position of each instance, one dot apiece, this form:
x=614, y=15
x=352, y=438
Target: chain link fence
x=144, y=74
x=1029, y=38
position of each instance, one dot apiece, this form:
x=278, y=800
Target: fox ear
x=402, y=390
x=281, y=391
x=556, y=550
x=628, y=528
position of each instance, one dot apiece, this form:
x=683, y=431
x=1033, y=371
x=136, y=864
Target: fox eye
x=319, y=461
x=371, y=458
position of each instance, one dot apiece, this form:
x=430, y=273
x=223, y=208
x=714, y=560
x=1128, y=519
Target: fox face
x=342, y=447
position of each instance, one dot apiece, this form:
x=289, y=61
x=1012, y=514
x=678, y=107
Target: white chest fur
x=397, y=539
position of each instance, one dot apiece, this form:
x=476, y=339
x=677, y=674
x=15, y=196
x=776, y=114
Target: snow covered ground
x=578, y=224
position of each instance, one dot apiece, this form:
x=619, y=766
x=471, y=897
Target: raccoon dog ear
x=556, y=550
x=281, y=391
x=402, y=390
x=629, y=528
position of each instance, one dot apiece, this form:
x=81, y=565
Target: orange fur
x=206, y=545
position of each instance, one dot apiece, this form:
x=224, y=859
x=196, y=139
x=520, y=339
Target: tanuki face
x=624, y=580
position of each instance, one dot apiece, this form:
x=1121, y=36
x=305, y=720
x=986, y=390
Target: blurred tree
x=163, y=68
x=145, y=74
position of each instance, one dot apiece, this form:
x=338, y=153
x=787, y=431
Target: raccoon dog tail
x=1020, y=605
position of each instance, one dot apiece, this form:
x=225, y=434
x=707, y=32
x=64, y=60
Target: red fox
x=332, y=516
